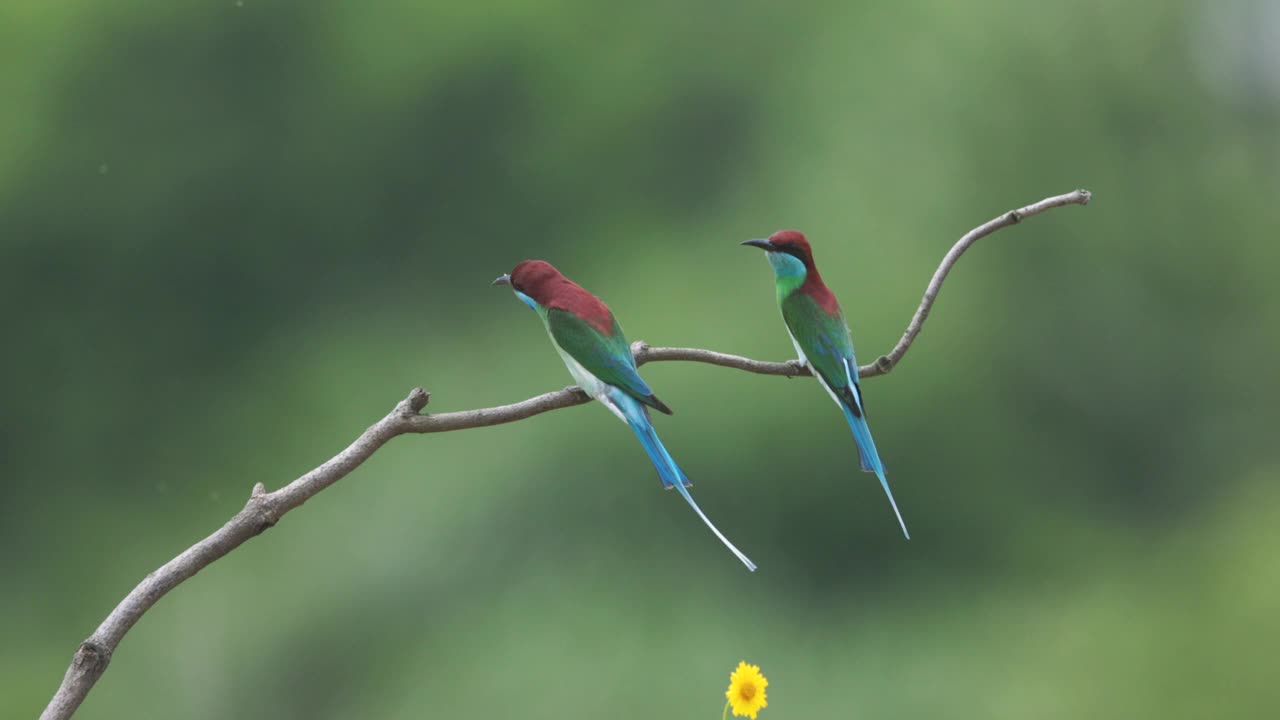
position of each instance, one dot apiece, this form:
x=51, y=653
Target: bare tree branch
x=885, y=363
x=265, y=509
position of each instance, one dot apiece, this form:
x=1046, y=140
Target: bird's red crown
x=551, y=289
x=537, y=279
x=793, y=242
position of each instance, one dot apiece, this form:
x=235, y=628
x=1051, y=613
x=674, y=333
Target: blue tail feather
x=668, y=470
x=869, y=459
x=864, y=461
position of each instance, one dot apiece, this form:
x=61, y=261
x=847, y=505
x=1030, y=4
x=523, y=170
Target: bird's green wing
x=827, y=346
x=607, y=356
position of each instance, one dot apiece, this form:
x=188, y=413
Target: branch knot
x=262, y=508
x=92, y=657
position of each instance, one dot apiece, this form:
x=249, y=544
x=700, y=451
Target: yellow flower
x=746, y=691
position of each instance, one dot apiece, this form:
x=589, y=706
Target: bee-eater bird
x=821, y=336
x=591, y=343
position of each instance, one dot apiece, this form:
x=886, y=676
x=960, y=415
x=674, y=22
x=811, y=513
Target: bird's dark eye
x=793, y=251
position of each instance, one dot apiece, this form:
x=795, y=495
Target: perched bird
x=592, y=345
x=821, y=336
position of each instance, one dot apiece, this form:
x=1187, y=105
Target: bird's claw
x=797, y=365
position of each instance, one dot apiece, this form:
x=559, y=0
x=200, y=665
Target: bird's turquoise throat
x=788, y=272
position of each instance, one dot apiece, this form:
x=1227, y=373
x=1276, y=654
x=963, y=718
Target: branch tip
x=418, y=399
x=258, y=490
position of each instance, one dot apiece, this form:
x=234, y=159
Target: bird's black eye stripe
x=793, y=251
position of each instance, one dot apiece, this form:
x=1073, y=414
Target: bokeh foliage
x=232, y=234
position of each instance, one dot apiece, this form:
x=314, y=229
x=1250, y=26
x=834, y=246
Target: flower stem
x=725, y=716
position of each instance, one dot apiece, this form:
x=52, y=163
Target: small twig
x=265, y=509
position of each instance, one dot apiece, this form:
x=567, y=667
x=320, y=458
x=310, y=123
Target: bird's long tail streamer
x=684, y=493
x=671, y=473
x=870, y=459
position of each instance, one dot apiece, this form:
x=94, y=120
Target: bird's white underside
x=590, y=384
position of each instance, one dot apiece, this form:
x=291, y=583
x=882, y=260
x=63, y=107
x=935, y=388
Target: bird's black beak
x=762, y=244
x=503, y=280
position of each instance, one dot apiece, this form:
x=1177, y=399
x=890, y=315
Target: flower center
x=747, y=691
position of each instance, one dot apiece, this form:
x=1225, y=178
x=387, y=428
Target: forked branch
x=265, y=509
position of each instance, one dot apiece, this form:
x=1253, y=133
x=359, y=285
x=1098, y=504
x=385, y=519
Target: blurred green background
x=234, y=234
